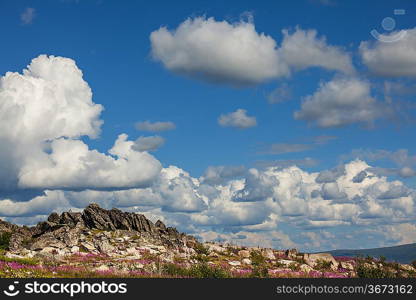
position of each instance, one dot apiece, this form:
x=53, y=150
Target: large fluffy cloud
x=340, y=102
x=43, y=114
x=303, y=49
x=218, y=51
x=236, y=54
x=265, y=205
x=397, y=58
x=405, y=162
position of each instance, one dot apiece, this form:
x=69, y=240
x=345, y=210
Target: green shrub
x=205, y=271
x=232, y=250
x=257, y=259
x=300, y=260
x=201, y=270
x=201, y=249
x=200, y=258
x=294, y=266
x=367, y=271
x=260, y=272
x=22, y=261
x=174, y=270
x=5, y=240
x=323, y=265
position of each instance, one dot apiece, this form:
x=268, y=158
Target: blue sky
x=137, y=79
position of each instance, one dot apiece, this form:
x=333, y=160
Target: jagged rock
x=234, y=263
x=19, y=238
x=97, y=230
x=43, y=242
x=97, y=218
x=71, y=219
x=104, y=246
x=53, y=218
x=159, y=224
x=86, y=246
x=268, y=254
x=346, y=265
x=246, y=261
x=7, y=227
x=70, y=238
x=291, y=253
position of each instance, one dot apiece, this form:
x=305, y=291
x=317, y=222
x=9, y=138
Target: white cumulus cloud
x=392, y=59
x=43, y=114
x=238, y=119
x=218, y=51
x=236, y=54
x=303, y=49
x=340, y=102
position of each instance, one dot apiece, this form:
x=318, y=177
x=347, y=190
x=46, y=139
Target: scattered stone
x=291, y=253
x=407, y=267
x=215, y=247
x=102, y=268
x=126, y=241
x=313, y=259
x=244, y=253
x=285, y=262
x=86, y=246
x=104, y=246
x=268, y=254
x=347, y=265
x=305, y=268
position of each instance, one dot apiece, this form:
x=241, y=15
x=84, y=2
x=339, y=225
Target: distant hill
x=403, y=253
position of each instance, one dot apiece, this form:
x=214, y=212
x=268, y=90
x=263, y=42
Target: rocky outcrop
x=73, y=231
x=116, y=241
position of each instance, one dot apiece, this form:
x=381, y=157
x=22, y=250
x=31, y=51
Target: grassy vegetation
x=323, y=265
x=23, y=261
x=201, y=249
x=260, y=268
x=257, y=259
x=201, y=270
x=5, y=240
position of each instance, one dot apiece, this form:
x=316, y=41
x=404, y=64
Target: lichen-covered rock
x=268, y=254
x=291, y=253
x=244, y=253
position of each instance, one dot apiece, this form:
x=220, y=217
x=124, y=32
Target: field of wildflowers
x=88, y=265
